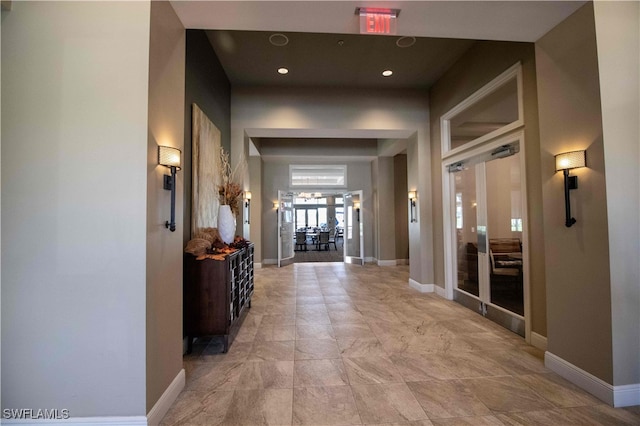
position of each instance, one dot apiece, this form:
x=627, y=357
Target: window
x=318, y=176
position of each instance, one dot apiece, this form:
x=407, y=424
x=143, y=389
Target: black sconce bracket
x=570, y=182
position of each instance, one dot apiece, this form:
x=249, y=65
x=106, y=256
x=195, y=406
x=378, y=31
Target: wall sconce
x=565, y=162
x=276, y=206
x=170, y=157
x=247, y=204
x=413, y=195
x=356, y=205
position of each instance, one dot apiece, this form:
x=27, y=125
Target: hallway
x=342, y=344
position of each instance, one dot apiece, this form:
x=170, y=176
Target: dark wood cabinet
x=216, y=293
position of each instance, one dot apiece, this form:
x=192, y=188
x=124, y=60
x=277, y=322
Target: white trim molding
x=164, y=403
x=269, y=261
x=257, y=265
x=387, y=262
x=402, y=261
x=422, y=288
x=538, y=341
x=440, y=291
x=616, y=396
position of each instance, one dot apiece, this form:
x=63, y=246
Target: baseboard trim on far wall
x=257, y=265
x=164, y=403
x=617, y=396
x=402, y=261
x=422, y=288
x=269, y=261
x=538, y=341
x=386, y=262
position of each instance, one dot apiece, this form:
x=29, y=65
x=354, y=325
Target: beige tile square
x=279, y=319
x=260, y=407
x=266, y=375
x=468, y=421
x=214, y=376
x=387, y=403
x=329, y=405
x=238, y=351
x=314, y=331
x=312, y=318
x=320, y=372
x=558, y=391
x=272, y=351
x=449, y=398
x=506, y=394
x=316, y=349
x=371, y=370
x=360, y=347
x=198, y=407
x=275, y=333
x=352, y=330
x=419, y=368
x=346, y=317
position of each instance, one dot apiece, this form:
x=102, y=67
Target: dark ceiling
x=334, y=60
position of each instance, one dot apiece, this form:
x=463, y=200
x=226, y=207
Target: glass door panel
x=285, y=229
x=504, y=223
x=466, y=224
x=353, y=232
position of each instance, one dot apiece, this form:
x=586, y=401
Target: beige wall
x=480, y=64
x=401, y=207
x=618, y=42
x=385, y=240
x=255, y=186
x=74, y=210
x=577, y=263
x=164, y=248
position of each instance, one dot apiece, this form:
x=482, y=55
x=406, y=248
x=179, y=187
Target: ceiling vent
x=405, y=41
x=279, y=39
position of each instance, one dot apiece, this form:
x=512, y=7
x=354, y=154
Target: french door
x=487, y=260
x=285, y=228
x=353, y=228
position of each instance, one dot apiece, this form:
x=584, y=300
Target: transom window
x=318, y=176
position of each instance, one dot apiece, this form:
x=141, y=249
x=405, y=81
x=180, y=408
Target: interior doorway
x=318, y=227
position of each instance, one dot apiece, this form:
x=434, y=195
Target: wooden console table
x=215, y=293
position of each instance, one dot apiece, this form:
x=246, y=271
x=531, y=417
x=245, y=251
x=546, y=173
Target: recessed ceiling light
x=283, y=71
x=387, y=73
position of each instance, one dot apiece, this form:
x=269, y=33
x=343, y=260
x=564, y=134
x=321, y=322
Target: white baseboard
x=538, y=341
x=160, y=408
x=269, y=261
x=617, y=396
x=257, y=265
x=387, y=263
x=402, y=261
x=422, y=288
x=440, y=291
x=84, y=421
x=370, y=259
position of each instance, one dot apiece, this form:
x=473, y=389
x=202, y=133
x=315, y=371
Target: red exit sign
x=377, y=21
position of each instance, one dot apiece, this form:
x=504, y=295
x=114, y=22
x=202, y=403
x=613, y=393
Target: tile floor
x=335, y=344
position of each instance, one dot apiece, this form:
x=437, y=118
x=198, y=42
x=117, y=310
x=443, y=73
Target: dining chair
x=323, y=240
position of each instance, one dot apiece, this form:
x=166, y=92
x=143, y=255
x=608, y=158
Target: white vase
x=226, y=223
